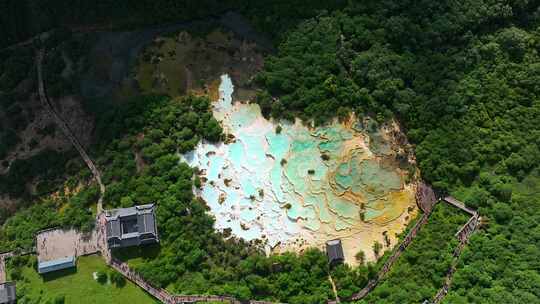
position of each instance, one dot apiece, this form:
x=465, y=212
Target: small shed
x=54, y=265
x=334, y=251
x=7, y=293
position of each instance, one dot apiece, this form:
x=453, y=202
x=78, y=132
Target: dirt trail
x=334, y=288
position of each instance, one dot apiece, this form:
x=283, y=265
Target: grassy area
x=76, y=285
x=182, y=63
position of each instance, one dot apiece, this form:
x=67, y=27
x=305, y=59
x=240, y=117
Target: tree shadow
x=150, y=251
x=51, y=276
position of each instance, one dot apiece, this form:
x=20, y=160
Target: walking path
x=163, y=295
x=454, y=202
x=166, y=297
x=392, y=259
x=462, y=235
x=66, y=130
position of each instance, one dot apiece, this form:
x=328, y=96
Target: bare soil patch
x=58, y=243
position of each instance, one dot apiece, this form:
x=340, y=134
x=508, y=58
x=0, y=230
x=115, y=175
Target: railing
x=463, y=235
x=158, y=293
x=454, y=202
x=392, y=259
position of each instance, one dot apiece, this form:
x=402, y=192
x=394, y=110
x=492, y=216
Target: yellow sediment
x=196, y=67
x=361, y=235
x=213, y=89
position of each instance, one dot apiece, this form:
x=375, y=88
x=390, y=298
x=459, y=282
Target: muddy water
x=299, y=187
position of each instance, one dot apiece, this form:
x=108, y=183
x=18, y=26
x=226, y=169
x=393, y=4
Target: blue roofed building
x=59, y=248
x=58, y=264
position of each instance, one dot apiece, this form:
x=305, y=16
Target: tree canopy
x=460, y=77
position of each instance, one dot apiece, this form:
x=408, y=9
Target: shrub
x=101, y=277
x=117, y=278
x=59, y=299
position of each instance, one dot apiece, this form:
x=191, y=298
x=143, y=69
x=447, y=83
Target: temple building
x=132, y=226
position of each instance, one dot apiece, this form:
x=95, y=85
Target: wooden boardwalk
x=164, y=296
x=463, y=235
x=159, y=293
x=454, y=202
x=393, y=258
x=65, y=128
x=426, y=200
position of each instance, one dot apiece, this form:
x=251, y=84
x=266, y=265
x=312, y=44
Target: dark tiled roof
x=113, y=228
x=334, y=251
x=131, y=226
x=146, y=223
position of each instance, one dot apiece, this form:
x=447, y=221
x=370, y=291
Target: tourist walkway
x=66, y=130
x=463, y=235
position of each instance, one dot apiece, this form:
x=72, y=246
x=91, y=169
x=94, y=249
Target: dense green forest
x=192, y=258
x=24, y=19
x=69, y=211
x=461, y=77
x=14, y=68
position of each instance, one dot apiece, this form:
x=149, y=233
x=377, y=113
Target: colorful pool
x=293, y=186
